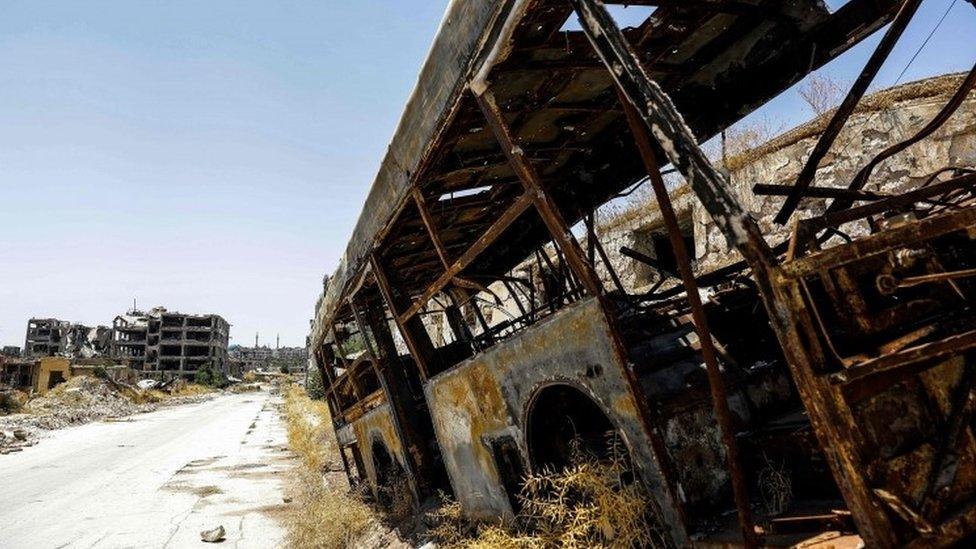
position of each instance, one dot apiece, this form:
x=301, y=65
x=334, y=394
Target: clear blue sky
x=213, y=156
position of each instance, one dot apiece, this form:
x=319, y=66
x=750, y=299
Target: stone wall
x=882, y=119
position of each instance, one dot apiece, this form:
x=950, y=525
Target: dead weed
x=321, y=516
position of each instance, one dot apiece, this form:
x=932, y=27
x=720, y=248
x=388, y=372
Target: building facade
x=170, y=342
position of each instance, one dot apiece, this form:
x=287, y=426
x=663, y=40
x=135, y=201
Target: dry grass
x=322, y=516
x=192, y=389
x=584, y=505
x=152, y=396
x=309, y=432
x=776, y=488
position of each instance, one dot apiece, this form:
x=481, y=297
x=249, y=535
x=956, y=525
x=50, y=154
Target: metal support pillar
x=412, y=329
x=720, y=398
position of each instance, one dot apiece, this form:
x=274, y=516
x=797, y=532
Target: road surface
x=153, y=480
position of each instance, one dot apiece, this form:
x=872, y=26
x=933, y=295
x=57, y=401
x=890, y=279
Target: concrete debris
x=147, y=384
x=213, y=536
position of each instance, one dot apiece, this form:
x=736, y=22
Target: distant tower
x=255, y=340
x=278, y=342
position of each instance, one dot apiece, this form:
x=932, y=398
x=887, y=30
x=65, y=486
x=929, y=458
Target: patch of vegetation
x=211, y=377
x=589, y=504
x=313, y=385
x=321, y=515
x=11, y=402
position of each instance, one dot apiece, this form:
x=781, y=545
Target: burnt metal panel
x=489, y=395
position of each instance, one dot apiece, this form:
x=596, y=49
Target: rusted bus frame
x=830, y=417
x=408, y=437
x=563, y=239
x=806, y=229
x=520, y=205
x=879, y=242
x=676, y=139
x=719, y=394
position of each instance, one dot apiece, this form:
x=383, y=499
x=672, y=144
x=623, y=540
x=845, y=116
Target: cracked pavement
x=155, y=480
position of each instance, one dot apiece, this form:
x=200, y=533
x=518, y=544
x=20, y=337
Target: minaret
x=278, y=342
x=255, y=340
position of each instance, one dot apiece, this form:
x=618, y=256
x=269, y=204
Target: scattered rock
x=20, y=435
x=213, y=536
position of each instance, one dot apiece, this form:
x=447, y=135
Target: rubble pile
x=80, y=400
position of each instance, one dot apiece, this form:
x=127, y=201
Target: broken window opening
x=626, y=17
x=390, y=476
x=561, y=421
x=508, y=462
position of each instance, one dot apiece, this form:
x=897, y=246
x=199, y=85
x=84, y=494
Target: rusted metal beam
x=590, y=237
x=764, y=189
x=670, y=132
x=647, y=260
x=362, y=325
x=720, y=397
x=544, y=205
x=328, y=382
x=425, y=216
x=494, y=231
x=418, y=349
x=608, y=264
x=846, y=108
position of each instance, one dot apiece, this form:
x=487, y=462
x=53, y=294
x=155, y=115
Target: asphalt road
x=153, y=480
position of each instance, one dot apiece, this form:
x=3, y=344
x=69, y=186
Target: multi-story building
x=171, y=342
x=45, y=337
x=262, y=357
x=10, y=351
x=54, y=337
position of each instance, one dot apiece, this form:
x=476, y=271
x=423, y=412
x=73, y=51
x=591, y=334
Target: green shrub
x=211, y=377
x=313, y=385
x=202, y=376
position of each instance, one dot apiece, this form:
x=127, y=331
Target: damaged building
x=289, y=359
x=52, y=337
x=806, y=309
x=171, y=343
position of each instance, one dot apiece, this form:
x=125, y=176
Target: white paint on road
x=155, y=480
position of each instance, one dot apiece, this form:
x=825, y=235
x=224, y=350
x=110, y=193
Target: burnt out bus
x=844, y=350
